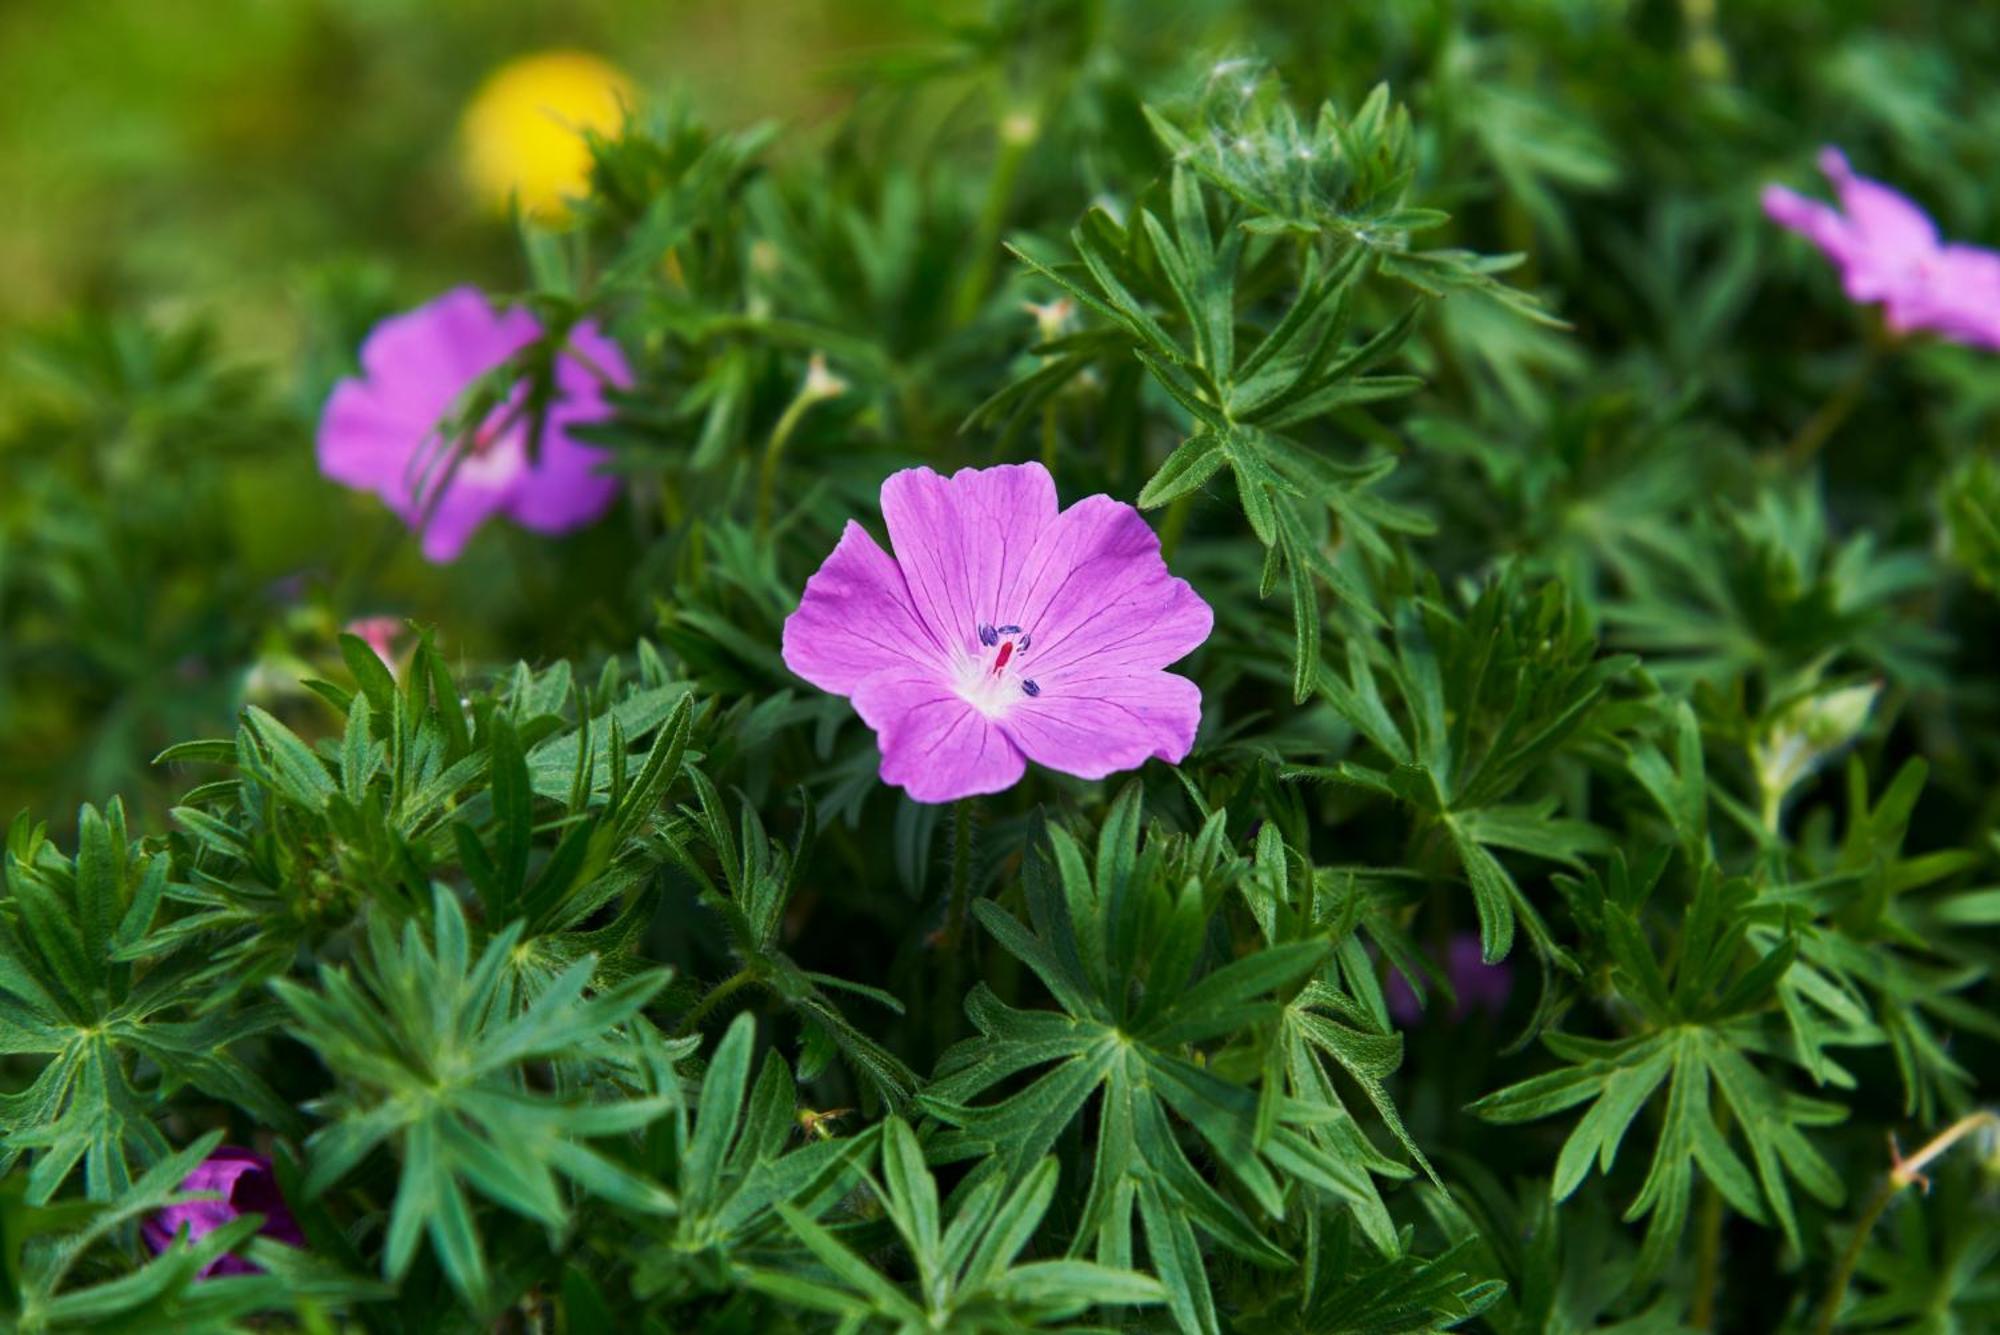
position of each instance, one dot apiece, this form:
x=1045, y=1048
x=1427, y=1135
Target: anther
x=988, y=636
x=1028, y=686
x=1010, y=630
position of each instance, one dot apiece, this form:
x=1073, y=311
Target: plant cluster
x=1588, y=579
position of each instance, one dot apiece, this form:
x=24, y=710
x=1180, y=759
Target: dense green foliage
x=1589, y=576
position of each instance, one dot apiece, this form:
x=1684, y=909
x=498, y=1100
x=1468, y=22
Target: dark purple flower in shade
x=1479, y=985
x=380, y=432
x=1888, y=251
x=1002, y=631
x=246, y=1185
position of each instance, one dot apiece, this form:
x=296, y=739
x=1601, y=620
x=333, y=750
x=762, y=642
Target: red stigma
x=1006, y=652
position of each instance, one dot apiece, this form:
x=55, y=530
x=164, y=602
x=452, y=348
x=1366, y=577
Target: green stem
x=1015, y=137
x=1708, y=1242
x=952, y=940
x=1708, y=1258
x=961, y=874
x=1850, y=1256
x=1840, y=405
x=1902, y=1173
x=728, y=987
x=1770, y=807
x=774, y=449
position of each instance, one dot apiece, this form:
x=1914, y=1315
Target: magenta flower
x=1479, y=985
x=380, y=432
x=1002, y=631
x=247, y=1186
x=1888, y=251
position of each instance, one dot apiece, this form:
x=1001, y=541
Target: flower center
x=994, y=677
x=494, y=454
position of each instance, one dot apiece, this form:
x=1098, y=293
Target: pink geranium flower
x=1888, y=251
x=1002, y=631
x=380, y=431
x=244, y=1181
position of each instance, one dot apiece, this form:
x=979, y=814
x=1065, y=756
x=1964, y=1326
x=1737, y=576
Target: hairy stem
x=722, y=991
x=774, y=449
x=1017, y=132
x=1902, y=1173
x=961, y=873
x=952, y=939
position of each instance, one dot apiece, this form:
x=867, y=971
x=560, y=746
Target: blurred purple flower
x=1002, y=631
x=247, y=1186
x=380, y=432
x=1479, y=985
x=1888, y=251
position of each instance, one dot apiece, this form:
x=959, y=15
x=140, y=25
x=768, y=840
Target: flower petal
x=960, y=541
x=1962, y=299
x=434, y=351
x=568, y=486
x=1890, y=223
x=1096, y=594
x=1821, y=224
x=366, y=439
x=1094, y=725
x=856, y=619
x=935, y=746
x=457, y=515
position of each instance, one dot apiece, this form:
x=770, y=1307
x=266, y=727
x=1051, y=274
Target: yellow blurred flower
x=523, y=131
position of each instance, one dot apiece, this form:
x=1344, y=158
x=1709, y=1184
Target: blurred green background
x=213, y=156
x=202, y=208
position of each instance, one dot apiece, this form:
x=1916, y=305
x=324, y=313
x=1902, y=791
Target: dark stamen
x=1010, y=630
x=1025, y=641
x=988, y=636
x=1028, y=686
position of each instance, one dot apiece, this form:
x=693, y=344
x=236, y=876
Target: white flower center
x=993, y=678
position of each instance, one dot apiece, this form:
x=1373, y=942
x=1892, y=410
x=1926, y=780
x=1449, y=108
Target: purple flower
x=1888, y=251
x=1002, y=631
x=1479, y=985
x=380, y=432
x=245, y=1182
